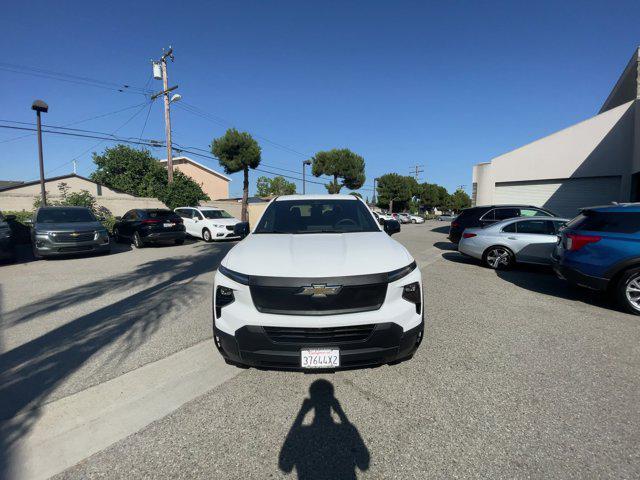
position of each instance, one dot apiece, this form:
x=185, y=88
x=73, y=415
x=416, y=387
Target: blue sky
x=442, y=84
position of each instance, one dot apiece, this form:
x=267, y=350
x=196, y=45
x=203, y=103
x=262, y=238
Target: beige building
x=594, y=162
x=213, y=183
x=21, y=196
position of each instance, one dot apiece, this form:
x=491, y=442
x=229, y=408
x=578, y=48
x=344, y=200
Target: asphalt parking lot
x=107, y=370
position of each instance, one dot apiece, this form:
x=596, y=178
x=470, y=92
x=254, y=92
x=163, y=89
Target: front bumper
x=252, y=346
x=576, y=277
x=161, y=237
x=47, y=248
x=241, y=330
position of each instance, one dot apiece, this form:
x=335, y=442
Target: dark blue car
x=600, y=249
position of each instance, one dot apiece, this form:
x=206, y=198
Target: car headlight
x=224, y=297
x=411, y=293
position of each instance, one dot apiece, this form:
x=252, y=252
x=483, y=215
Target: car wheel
x=137, y=241
x=36, y=255
x=179, y=241
x=413, y=221
x=498, y=258
x=628, y=291
x=206, y=235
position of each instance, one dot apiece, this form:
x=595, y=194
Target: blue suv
x=600, y=249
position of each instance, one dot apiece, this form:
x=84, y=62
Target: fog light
x=224, y=297
x=39, y=243
x=411, y=293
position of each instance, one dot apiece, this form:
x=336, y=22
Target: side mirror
x=118, y=218
x=241, y=229
x=10, y=218
x=391, y=227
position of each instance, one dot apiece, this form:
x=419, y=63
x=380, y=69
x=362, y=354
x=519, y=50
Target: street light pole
x=39, y=106
x=373, y=200
x=304, y=164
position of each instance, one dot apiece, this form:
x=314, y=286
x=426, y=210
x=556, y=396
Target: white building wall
x=602, y=146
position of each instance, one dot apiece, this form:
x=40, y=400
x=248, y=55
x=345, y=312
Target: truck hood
x=317, y=255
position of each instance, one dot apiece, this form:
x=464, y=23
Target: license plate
x=320, y=358
x=168, y=225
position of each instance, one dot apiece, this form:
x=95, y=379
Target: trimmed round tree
x=340, y=163
x=238, y=151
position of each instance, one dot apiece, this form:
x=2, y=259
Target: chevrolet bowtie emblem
x=320, y=290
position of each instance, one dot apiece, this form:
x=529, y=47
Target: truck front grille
x=324, y=335
x=292, y=300
x=73, y=237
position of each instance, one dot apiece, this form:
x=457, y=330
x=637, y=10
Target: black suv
x=486, y=215
x=151, y=225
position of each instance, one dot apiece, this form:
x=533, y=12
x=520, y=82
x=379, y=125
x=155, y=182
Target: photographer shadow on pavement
x=324, y=449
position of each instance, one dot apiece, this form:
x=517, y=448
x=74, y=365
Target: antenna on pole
x=416, y=171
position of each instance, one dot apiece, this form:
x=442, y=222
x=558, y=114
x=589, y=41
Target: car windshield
x=215, y=214
x=317, y=216
x=65, y=215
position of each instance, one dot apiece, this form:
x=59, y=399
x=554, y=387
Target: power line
x=151, y=143
x=211, y=157
x=70, y=78
x=226, y=123
x=95, y=117
x=145, y=121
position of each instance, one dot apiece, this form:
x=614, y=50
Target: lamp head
x=40, y=106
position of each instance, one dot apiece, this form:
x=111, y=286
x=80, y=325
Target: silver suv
x=67, y=230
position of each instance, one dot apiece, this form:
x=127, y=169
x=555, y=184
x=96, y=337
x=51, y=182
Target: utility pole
x=373, y=200
x=416, y=171
x=304, y=164
x=167, y=110
x=39, y=106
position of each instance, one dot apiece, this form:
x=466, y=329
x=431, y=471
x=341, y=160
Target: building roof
x=9, y=183
x=35, y=182
x=627, y=87
x=239, y=199
x=198, y=164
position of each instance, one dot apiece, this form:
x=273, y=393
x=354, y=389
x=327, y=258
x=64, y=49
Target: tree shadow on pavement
x=446, y=246
x=539, y=279
x=31, y=371
x=324, y=449
x=457, y=257
x=443, y=229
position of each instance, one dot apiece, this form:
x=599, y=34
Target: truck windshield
x=65, y=215
x=317, y=216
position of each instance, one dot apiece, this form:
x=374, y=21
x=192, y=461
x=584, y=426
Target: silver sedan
x=521, y=239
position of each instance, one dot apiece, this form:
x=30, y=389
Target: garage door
x=564, y=197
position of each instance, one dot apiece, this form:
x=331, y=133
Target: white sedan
x=208, y=223
x=416, y=219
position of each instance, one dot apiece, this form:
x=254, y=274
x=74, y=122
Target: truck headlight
x=224, y=297
x=411, y=293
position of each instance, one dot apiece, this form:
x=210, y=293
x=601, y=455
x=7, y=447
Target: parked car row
x=64, y=230
x=599, y=249
x=399, y=217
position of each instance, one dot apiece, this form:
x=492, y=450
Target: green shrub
x=21, y=216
